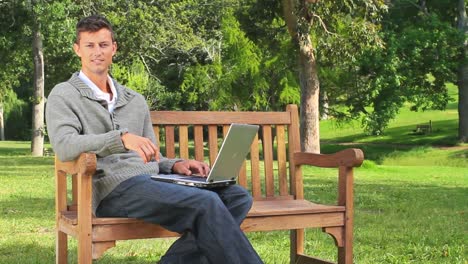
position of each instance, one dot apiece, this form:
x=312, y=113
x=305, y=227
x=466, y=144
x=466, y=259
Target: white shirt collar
x=99, y=93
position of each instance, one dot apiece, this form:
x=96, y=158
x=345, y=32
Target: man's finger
x=142, y=155
x=156, y=151
x=206, y=168
x=147, y=151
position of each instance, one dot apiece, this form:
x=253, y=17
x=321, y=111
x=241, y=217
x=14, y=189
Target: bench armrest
x=82, y=170
x=85, y=164
x=348, y=158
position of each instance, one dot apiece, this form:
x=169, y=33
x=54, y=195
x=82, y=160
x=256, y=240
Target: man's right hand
x=143, y=146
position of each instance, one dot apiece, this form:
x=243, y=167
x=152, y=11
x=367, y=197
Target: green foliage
x=237, y=54
x=136, y=77
x=16, y=109
x=409, y=58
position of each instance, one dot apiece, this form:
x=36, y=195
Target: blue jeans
x=208, y=220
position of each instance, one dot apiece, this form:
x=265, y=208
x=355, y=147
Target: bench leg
x=85, y=255
x=61, y=248
x=345, y=250
x=297, y=244
x=345, y=253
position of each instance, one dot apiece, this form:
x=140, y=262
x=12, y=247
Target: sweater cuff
x=165, y=165
x=114, y=141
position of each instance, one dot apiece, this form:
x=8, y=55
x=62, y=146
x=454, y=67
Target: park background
x=381, y=68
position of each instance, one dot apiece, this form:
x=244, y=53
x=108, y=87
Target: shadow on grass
x=14, y=151
x=443, y=133
x=397, y=196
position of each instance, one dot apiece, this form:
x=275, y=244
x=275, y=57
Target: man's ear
x=114, y=48
x=76, y=48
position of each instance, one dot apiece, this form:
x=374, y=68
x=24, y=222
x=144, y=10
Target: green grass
x=400, y=130
x=403, y=214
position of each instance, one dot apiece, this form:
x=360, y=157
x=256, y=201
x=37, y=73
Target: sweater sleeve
x=64, y=129
x=165, y=164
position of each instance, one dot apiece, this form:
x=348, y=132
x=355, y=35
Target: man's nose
x=98, y=50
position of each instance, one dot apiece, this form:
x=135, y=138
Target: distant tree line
x=350, y=59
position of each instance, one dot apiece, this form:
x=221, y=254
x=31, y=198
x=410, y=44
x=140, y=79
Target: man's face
x=96, y=50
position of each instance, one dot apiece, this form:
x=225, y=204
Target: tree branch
x=323, y=24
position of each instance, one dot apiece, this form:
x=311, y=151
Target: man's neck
x=100, y=80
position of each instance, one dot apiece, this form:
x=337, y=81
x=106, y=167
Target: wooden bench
x=272, y=173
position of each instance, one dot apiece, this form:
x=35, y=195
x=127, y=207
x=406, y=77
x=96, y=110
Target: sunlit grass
x=403, y=214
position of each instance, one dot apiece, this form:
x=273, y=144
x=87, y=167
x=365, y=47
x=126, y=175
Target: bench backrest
x=268, y=173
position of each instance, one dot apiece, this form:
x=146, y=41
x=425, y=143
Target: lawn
x=403, y=214
x=410, y=200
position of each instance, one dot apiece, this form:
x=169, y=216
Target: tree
x=463, y=76
x=298, y=21
x=324, y=33
x=37, y=140
x=2, y=123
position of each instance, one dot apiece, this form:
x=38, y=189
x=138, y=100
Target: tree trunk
x=295, y=14
x=2, y=128
x=463, y=77
x=37, y=141
x=310, y=130
x=325, y=105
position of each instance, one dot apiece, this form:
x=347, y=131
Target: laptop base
x=198, y=182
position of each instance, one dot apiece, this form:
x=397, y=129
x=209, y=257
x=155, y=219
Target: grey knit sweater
x=78, y=122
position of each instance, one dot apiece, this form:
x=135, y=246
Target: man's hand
x=143, y=146
x=187, y=167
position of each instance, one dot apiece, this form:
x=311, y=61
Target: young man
x=91, y=112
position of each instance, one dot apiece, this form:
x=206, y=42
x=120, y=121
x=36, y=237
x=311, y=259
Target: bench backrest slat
x=198, y=142
x=282, y=161
x=265, y=172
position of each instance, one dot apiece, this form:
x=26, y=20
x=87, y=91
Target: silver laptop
x=235, y=147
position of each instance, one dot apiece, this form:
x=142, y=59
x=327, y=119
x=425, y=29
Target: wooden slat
x=61, y=242
x=268, y=160
x=212, y=142
x=281, y=152
x=198, y=141
x=130, y=231
x=290, y=207
x=242, y=179
x=84, y=218
x=74, y=190
x=255, y=168
x=225, y=130
x=346, y=198
x=348, y=157
x=156, y=135
x=170, y=142
x=219, y=118
x=295, y=174
x=183, y=142
x=286, y=222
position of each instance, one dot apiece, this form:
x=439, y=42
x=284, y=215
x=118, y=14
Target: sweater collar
x=124, y=95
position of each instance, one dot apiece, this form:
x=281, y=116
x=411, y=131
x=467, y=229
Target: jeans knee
x=242, y=195
x=210, y=200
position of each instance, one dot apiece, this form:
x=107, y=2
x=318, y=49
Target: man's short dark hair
x=93, y=23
